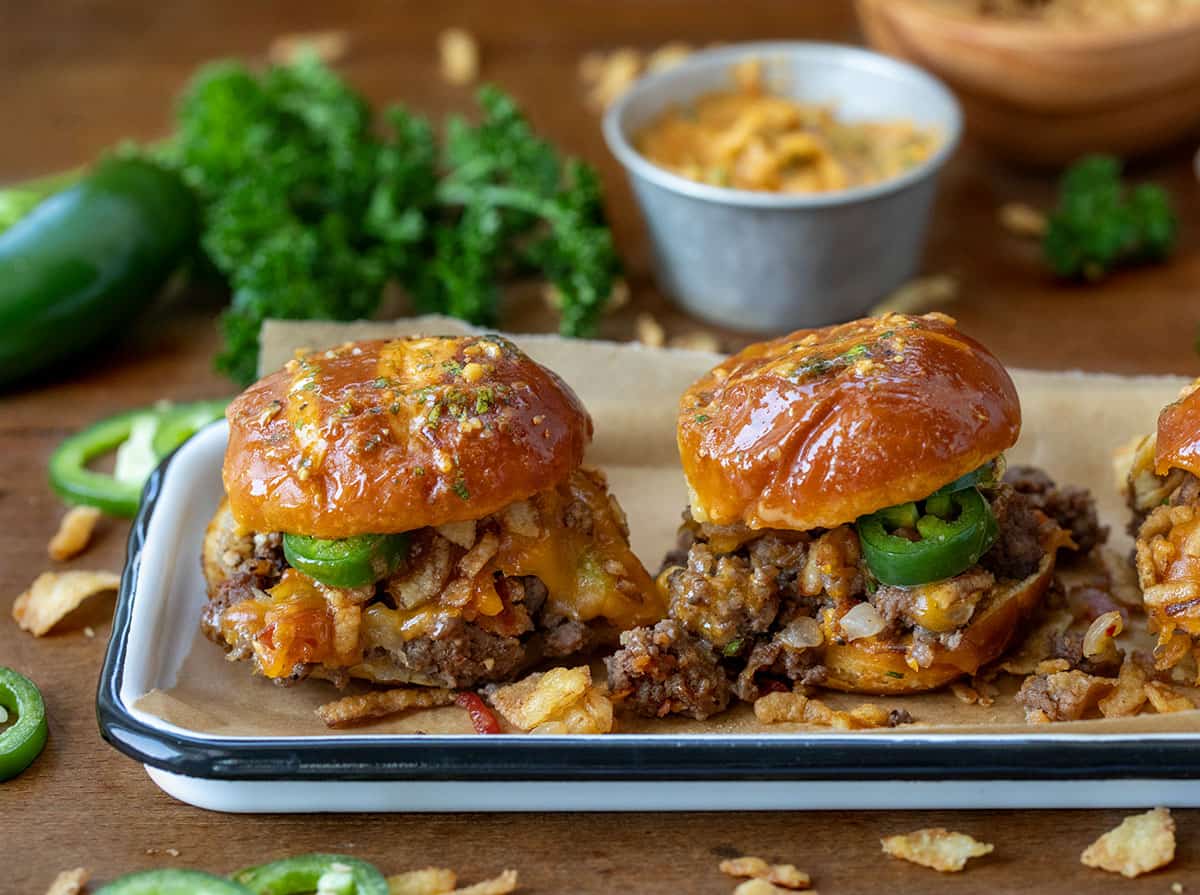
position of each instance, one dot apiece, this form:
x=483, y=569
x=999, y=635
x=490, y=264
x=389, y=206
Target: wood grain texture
x=76, y=77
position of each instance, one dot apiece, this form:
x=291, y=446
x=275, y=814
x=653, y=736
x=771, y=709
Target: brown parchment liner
x=1072, y=424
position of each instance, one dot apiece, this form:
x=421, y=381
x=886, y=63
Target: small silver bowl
x=766, y=262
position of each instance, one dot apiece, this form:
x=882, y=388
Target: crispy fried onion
x=1129, y=695
x=1057, y=694
x=785, y=876
x=503, y=884
x=69, y=882
x=558, y=701
x=1141, y=843
x=442, y=881
x=381, y=703
x=937, y=848
x=53, y=595
x=74, y=533
x=797, y=708
x=1168, y=567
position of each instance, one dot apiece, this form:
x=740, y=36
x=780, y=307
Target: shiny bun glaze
x=1178, y=445
x=390, y=436
x=814, y=429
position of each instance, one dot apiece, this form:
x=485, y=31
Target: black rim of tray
x=906, y=757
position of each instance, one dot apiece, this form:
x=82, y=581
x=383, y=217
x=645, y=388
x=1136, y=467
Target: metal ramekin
x=766, y=262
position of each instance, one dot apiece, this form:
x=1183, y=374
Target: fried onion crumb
x=428, y=881
x=380, y=704
x=649, y=331
x=54, y=595
x=797, y=708
x=937, y=848
x=69, y=882
x=327, y=46
x=1129, y=695
x=558, y=701
x=74, y=533
x=1166, y=699
x=759, y=887
x=785, y=876
x=458, y=53
x=498, y=885
x=1139, y=844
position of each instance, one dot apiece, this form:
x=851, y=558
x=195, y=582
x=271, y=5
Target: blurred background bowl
x=1046, y=95
x=768, y=262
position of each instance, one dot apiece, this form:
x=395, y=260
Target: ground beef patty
x=1018, y=548
x=1072, y=508
x=455, y=654
x=729, y=606
x=664, y=670
x=772, y=660
x=458, y=655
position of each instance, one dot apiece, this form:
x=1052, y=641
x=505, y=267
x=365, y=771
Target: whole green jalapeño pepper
x=953, y=531
x=346, y=562
x=323, y=874
x=23, y=741
x=84, y=262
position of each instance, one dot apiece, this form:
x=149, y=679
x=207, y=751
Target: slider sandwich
x=415, y=512
x=850, y=524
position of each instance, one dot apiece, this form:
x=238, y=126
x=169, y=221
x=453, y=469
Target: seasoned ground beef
x=731, y=591
x=1071, y=507
x=567, y=638
x=956, y=597
x=723, y=598
x=1188, y=492
x=1069, y=645
x=240, y=586
x=773, y=659
x=456, y=655
x=664, y=670
x=1018, y=548
x=1061, y=696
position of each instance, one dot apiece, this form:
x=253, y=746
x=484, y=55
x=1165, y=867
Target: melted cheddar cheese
x=571, y=537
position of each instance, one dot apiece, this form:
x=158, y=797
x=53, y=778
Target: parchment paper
x=1072, y=424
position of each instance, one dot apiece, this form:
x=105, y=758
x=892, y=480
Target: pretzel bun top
x=383, y=436
x=816, y=428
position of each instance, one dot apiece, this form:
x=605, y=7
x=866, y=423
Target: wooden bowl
x=1044, y=95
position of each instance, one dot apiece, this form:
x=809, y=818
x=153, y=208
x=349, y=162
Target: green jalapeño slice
x=346, y=562
x=988, y=474
x=914, y=544
x=22, y=741
x=323, y=874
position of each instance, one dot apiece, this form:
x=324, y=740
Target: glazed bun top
x=1178, y=444
x=814, y=429
x=388, y=436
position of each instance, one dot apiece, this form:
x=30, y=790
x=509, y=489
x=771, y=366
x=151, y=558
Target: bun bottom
x=879, y=668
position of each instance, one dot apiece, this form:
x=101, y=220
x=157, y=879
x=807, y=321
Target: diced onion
x=862, y=621
x=803, y=633
x=1099, y=637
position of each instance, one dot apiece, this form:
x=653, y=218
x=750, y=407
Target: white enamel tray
x=162, y=593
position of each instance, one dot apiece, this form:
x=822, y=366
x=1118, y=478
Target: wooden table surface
x=76, y=78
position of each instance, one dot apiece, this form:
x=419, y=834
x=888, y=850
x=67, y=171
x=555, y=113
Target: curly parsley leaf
x=309, y=210
x=1099, y=224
